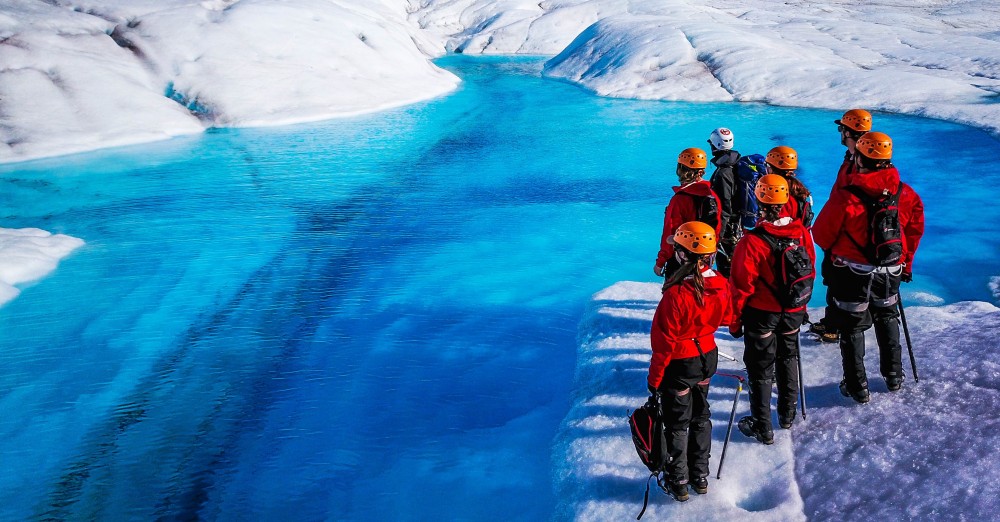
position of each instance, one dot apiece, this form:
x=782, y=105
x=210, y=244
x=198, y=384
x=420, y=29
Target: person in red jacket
x=695, y=303
x=693, y=200
x=866, y=266
x=852, y=125
x=784, y=161
x=762, y=309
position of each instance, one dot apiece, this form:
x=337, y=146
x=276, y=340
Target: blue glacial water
x=373, y=318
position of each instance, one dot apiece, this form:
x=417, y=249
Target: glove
x=658, y=270
x=906, y=277
x=736, y=330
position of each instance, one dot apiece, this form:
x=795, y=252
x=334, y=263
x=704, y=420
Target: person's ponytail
x=691, y=267
x=796, y=188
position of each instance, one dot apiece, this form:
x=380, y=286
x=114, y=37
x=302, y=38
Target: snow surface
x=938, y=59
x=27, y=254
x=924, y=453
x=80, y=75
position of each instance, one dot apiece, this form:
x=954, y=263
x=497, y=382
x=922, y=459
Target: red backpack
x=646, y=423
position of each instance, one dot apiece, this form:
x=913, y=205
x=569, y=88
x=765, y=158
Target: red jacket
x=845, y=215
x=753, y=271
x=679, y=320
x=680, y=210
x=793, y=210
x=846, y=169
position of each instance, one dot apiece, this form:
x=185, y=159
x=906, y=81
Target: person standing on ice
x=723, y=183
x=868, y=262
x=852, y=125
x=761, y=312
x=784, y=161
x=693, y=200
x=695, y=302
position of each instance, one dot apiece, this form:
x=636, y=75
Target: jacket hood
x=716, y=283
x=792, y=230
x=698, y=188
x=874, y=183
x=725, y=158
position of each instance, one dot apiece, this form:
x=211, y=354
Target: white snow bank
x=27, y=254
x=82, y=75
x=598, y=475
x=924, y=452
x=934, y=59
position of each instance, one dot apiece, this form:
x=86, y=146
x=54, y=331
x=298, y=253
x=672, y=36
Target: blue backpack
x=748, y=170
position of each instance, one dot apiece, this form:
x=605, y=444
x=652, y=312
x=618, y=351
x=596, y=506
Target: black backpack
x=708, y=209
x=646, y=424
x=805, y=208
x=885, y=237
x=794, y=272
x=748, y=170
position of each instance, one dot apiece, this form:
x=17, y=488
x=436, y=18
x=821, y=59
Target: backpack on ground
x=708, y=209
x=794, y=272
x=748, y=170
x=646, y=424
x=885, y=237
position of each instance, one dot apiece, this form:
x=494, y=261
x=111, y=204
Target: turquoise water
x=373, y=318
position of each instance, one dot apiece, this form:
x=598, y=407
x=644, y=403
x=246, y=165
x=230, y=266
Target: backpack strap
x=645, y=497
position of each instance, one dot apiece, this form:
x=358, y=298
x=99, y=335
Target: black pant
x=687, y=420
x=861, y=301
x=770, y=349
x=724, y=257
x=825, y=267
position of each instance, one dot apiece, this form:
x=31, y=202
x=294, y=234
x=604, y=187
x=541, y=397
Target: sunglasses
x=851, y=133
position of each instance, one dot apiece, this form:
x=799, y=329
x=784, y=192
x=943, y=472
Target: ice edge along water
x=894, y=458
x=29, y=254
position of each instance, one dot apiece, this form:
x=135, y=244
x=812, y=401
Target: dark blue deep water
x=374, y=318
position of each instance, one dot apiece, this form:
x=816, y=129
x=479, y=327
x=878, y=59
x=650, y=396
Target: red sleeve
x=673, y=217
x=664, y=333
x=841, y=182
x=829, y=222
x=913, y=228
x=744, y=274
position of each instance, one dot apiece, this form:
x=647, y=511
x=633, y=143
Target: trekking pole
x=909, y=345
x=732, y=415
x=802, y=387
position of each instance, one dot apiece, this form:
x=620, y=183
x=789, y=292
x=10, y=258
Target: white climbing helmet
x=721, y=138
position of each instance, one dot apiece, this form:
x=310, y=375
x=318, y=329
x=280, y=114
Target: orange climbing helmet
x=696, y=237
x=771, y=189
x=875, y=145
x=783, y=157
x=693, y=158
x=858, y=120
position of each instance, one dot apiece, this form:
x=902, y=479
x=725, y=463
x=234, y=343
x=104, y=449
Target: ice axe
x=909, y=345
x=732, y=415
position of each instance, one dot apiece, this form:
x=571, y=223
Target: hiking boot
x=699, y=485
x=755, y=430
x=818, y=327
x=825, y=332
x=785, y=421
x=677, y=490
x=862, y=396
x=829, y=337
x=894, y=383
